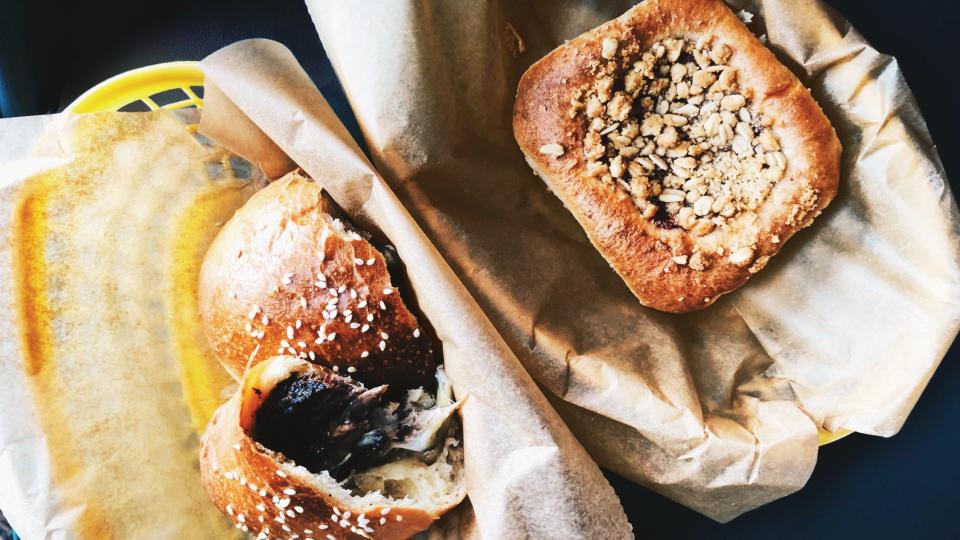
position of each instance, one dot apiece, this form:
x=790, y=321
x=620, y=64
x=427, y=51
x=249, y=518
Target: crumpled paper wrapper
x=718, y=410
x=106, y=376
x=105, y=221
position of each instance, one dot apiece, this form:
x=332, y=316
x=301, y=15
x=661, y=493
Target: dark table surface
x=905, y=486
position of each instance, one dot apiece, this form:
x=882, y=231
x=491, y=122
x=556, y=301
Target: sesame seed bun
x=288, y=274
x=269, y=496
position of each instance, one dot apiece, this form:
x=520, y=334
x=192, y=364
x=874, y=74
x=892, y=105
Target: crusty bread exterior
x=642, y=253
x=270, y=497
x=289, y=275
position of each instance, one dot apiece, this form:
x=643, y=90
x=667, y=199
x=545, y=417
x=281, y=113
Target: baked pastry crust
x=289, y=275
x=652, y=259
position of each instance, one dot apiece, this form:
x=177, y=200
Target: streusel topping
x=672, y=128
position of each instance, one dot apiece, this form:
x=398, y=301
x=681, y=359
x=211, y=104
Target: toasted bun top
x=289, y=275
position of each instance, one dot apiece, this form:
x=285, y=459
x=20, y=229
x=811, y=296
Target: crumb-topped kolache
x=344, y=425
x=687, y=152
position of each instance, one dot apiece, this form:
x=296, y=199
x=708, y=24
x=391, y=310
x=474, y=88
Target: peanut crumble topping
x=671, y=128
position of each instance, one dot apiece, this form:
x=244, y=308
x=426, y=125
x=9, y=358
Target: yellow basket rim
x=139, y=84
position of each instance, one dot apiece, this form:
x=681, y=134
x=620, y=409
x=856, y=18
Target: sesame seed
x=362, y=521
x=385, y=511
x=399, y=517
x=331, y=537
x=331, y=336
x=348, y=318
x=353, y=294
x=284, y=343
x=243, y=481
x=248, y=328
x=241, y=518
x=302, y=355
x=311, y=355
x=323, y=526
x=264, y=320
x=298, y=324
x=289, y=332
x=303, y=302
x=362, y=304
x=336, y=369
x=332, y=291
x=280, y=350
x=342, y=288
x=336, y=511
x=307, y=531
x=351, y=369
x=354, y=325
x=383, y=345
x=262, y=493
x=370, y=317
x=364, y=354
x=347, y=514
x=299, y=510
x=382, y=305
x=344, y=523
x=365, y=327
x=289, y=491
x=416, y=332
x=281, y=474
x=301, y=344
x=383, y=521
x=230, y=509
x=290, y=513
x=384, y=335
x=236, y=446
x=371, y=260
x=284, y=502
x=358, y=262
x=252, y=486
x=261, y=507
x=284, y=527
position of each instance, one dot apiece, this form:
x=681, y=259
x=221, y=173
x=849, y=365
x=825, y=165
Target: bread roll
x=288, y=274
x=324, y=418
x=686, y=151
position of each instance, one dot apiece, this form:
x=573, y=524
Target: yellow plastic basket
x=145, y=83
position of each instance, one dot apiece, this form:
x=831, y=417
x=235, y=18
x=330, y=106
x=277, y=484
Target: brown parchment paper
x=527, y=476
x=718, y=410
x=104, y=219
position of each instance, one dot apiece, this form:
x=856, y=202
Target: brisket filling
x=325, y=422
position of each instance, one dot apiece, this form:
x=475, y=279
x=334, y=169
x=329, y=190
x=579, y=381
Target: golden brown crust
x=641, y=253
x=266, y=496
x=267, y=284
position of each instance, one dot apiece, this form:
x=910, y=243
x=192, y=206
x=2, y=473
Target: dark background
x=903, y=487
